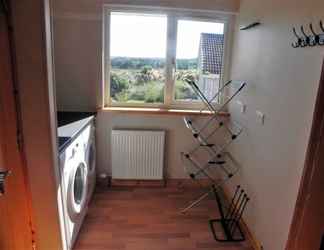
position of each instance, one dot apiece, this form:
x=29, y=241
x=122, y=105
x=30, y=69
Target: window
x=148, y=54
x=199, y=56
x=137, y=57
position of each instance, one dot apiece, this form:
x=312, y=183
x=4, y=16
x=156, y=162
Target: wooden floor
x=149, y=219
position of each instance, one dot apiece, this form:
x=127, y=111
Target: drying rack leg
x=228, y=236
x=196, y=202
x=230, y=222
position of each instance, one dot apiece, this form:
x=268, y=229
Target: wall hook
x=299, y=40
x=306, y=37
x=321, y=25
x=316, y=40
x=321, y=39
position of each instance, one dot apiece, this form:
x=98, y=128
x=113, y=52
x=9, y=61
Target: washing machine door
x=91, y=162
x=91, y=158
x=77, y=190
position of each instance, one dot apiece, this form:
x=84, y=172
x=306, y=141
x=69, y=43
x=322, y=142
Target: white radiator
x=137, y=154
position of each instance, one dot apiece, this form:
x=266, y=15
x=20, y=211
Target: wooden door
x=16, y=230
x=307, y=230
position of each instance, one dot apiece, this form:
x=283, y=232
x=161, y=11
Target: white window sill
x=159, y=111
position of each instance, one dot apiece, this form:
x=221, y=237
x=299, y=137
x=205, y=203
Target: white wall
x=77, y=50
x=283, y=82
x=178, y=138
x=95, y=6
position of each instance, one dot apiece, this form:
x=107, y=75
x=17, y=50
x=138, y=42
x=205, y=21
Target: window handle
x=173, y=61
x=173, y=67
x=3, y=175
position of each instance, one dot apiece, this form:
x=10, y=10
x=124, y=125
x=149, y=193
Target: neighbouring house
x=210, y=59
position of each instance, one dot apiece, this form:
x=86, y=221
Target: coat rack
x=309, y=40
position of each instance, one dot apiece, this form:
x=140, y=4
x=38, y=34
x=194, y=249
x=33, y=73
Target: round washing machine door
x=91, y=158
x=77, y=190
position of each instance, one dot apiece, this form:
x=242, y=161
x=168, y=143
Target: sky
x=135, y=35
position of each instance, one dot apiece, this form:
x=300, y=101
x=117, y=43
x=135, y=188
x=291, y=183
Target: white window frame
x=173, y=15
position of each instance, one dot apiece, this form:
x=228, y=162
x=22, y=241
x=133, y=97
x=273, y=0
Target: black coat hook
x=306, y=37
x=321, y=25
x=321, y=41
x=316, y=40
x=299, y=40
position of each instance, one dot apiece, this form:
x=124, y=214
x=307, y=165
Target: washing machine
x=75, y=188
x=90, y=157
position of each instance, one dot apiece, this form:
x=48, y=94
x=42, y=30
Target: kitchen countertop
x=70, y=124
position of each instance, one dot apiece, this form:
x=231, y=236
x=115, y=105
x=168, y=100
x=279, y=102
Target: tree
x=117, y=84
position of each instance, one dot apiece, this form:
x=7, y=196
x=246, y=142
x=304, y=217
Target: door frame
x=32, y=39
x=316, y=137
x=16, y=227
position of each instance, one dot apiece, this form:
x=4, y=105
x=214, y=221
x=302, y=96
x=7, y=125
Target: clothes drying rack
x=220, y=166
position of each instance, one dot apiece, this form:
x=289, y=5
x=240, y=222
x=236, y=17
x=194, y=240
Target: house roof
x=211, y=52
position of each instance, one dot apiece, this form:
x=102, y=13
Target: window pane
x=137, y=53
x=199, y=56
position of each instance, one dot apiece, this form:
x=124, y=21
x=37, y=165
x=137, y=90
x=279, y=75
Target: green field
x=142, y=80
